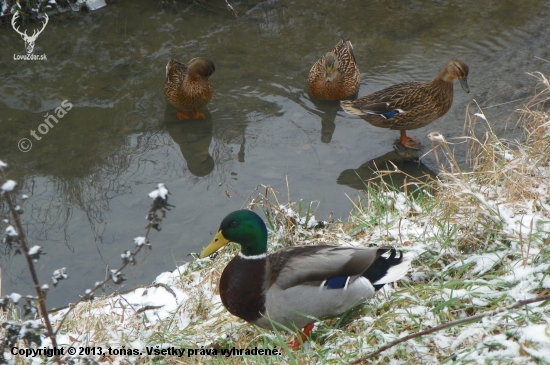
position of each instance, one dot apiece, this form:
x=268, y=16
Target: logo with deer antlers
x=29, y=40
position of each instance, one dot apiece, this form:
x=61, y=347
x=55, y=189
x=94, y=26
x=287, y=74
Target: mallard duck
x=411, y=105
x=320, y=281
x=187, y=87
x=336, y=75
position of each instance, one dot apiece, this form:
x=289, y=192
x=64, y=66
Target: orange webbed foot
x=303, y=335
x=409, y=141
x=182, y=115
x=197, y=114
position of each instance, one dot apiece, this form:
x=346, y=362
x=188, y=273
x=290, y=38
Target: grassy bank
x=479, y=241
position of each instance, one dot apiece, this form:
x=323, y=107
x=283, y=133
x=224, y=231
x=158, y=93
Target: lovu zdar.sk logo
x=29, y=40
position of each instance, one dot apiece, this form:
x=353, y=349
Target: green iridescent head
x=243, y=227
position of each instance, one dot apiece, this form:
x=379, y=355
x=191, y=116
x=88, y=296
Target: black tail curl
x=380, y=267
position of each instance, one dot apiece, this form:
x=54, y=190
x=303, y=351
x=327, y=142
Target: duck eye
x=234, y=224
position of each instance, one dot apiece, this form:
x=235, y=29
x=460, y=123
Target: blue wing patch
x=338, y=282
x=391, y=113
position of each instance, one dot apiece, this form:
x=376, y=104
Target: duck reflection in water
x=401, y=170
x=327, y=111
x=193, y=138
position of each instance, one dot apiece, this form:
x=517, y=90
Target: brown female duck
x=335, y=76
x=188, y=87
x=411, y=105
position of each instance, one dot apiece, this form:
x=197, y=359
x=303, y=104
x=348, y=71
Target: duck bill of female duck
x=464, y=84
x=217, y=242
x=329, y=74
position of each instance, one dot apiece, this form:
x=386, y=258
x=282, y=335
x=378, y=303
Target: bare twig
x=156, y=214
x=22, y=240
x=231, y=8
x=442, y=326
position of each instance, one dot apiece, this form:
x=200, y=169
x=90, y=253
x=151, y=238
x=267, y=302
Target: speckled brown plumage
x=411, y=105
x=335, y=76
x=188, y=87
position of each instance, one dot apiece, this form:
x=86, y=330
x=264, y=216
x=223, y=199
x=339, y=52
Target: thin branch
x=231, y=8
x=22, y=240
x=442, y=326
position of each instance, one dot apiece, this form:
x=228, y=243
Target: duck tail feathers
x=394, y=273
x=387, y=269
x=349, y=108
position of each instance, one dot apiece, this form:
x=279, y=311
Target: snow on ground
x=187, y=297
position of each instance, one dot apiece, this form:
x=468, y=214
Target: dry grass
x=499, y=171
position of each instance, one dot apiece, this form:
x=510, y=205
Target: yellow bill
x=218, y=242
